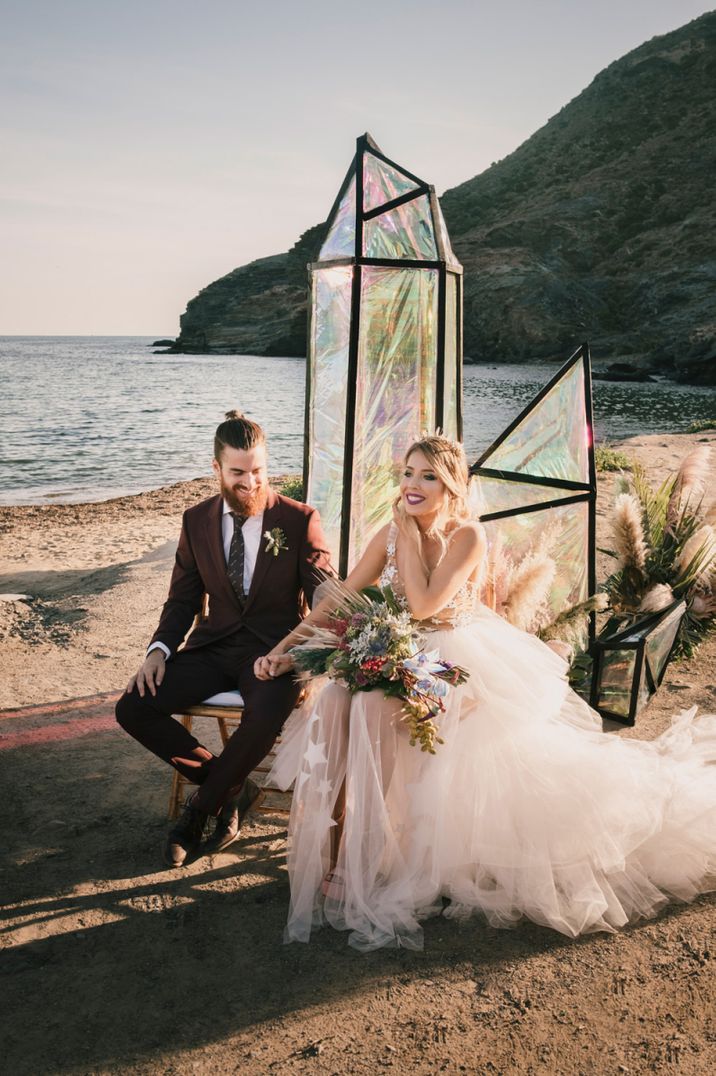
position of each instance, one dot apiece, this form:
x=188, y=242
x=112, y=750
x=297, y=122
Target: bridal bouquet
x=371, y=642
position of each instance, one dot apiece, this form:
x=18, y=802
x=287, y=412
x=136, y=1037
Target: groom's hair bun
x=237, y=431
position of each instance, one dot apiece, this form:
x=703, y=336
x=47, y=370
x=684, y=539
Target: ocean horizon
x=87, y=418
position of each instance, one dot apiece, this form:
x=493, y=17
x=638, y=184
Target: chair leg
x=178, y=780
x=175, y=795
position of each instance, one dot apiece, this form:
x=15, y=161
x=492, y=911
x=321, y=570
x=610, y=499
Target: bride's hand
x=272, y=665
x=407, y=527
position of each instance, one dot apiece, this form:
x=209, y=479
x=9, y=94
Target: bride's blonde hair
x=448, y=461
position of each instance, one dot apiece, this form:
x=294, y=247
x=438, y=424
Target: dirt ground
x=111, y=963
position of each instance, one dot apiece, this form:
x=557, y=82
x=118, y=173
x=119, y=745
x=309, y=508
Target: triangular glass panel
x=382, y=183
x=615, y=685
x=341, y=239
x=501, y=494
x=443, y=233
x=404, y=232
x=552, y=438
x=660, y=640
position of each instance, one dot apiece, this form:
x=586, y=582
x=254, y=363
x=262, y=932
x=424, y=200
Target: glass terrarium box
x=629, y=664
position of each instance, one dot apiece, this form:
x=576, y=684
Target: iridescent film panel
x=341, y=239
x=395, y=390
x=504, y=494
x=443, y=232
x=451, y=382
x=560, y=533
x=330, y=333
x=660, y=640
x=382, y=183
x=405, y=232
x=615, y=683
x=553, y=439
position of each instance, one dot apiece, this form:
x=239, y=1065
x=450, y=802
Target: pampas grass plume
x=629, y=532
x=529, y=587
x=704, y=539
x=656, y=598
x=690, y=484
x=703, y=607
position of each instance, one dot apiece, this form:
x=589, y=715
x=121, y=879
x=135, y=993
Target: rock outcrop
x=602, y=225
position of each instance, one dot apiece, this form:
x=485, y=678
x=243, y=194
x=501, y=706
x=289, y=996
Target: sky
x=151, y=146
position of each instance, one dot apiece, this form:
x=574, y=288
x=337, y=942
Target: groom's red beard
x=246, y=504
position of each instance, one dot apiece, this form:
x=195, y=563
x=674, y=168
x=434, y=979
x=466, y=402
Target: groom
x=254, y=557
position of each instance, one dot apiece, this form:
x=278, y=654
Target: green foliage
x=291, y=485
x=700, y=426
x=607, y=458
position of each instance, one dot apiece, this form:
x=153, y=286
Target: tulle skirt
x=527, y=809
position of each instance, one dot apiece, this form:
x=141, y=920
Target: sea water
x=87, y=418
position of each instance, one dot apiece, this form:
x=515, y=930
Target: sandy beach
x=137, y=969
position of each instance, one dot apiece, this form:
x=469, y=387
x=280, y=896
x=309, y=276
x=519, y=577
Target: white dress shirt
x=252, y=531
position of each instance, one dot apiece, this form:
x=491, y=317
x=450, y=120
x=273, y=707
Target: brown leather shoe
x=233, y=815
x=185, y=836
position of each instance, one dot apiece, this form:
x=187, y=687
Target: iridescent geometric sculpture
x=538, y=479
x=629, y=665
x=385, y=345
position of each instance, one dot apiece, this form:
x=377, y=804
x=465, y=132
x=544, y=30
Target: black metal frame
x=365, y=144
x=577, y=491
x=618, y=641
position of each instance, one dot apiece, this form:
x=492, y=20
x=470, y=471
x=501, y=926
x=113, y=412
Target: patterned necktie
x=235, y=566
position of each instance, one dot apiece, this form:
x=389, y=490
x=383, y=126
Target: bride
x=526, y=809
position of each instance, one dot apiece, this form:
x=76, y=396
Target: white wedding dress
x=528, y=809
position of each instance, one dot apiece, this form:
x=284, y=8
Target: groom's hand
x=272, y=665
x=150, y=675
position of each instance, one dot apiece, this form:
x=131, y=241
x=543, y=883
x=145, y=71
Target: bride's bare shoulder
x=378, y=541
x=469, y=534
x=468, y=542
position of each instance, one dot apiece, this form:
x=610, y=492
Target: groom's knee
x=128, y=711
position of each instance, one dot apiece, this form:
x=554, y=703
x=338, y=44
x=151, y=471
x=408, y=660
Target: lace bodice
x=459, y=610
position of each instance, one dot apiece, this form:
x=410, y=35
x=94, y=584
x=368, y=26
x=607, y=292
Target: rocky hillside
x=602, y=225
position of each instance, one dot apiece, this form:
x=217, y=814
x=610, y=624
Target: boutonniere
x=275, y=541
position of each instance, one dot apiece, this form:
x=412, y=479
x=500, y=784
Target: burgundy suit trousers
x=192, y=676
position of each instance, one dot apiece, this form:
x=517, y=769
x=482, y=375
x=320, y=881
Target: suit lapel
x=272, y=517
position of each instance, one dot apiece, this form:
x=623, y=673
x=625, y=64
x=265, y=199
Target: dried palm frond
x=529, y=587
x=690, y=484
x=629, y=532
x=654, y=505
x=656, y=598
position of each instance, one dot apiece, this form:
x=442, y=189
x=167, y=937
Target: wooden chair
x=226, y=709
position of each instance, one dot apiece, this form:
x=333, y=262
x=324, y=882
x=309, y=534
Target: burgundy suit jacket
x=274, y=604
